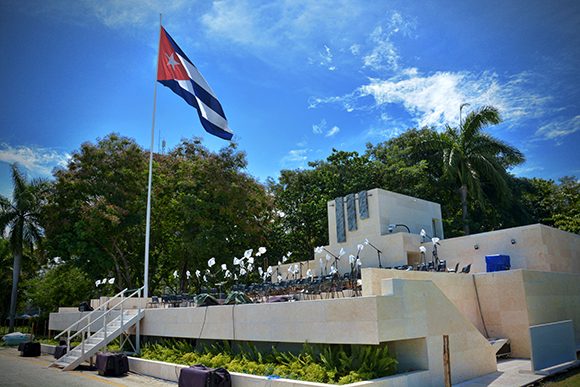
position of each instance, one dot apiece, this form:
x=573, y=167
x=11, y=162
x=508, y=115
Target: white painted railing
x=85, y=332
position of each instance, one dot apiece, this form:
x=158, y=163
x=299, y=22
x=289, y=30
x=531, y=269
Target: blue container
x=497, y=262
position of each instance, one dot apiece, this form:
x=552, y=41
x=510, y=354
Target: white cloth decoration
x=211, y=262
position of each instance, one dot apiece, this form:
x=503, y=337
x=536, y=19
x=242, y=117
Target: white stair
x=116, y=322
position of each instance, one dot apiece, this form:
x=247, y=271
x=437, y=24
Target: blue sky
x=295, y=78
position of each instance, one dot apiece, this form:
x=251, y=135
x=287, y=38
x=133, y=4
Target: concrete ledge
x=170, y=371
x=47, y=349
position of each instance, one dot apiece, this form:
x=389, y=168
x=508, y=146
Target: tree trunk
x=14, y=296
x=464, y=217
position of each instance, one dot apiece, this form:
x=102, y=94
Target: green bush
x=340, y=364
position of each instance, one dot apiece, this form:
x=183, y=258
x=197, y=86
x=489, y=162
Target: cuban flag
x=177, y=72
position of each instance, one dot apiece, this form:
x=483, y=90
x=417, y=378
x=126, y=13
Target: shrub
x=340, y=364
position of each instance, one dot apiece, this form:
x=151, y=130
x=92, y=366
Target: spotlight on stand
x=378, y=252
x=393, y=226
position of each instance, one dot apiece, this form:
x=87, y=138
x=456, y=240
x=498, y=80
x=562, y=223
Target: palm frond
x=477, y=120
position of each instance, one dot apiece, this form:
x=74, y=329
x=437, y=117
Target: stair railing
x=85, y=332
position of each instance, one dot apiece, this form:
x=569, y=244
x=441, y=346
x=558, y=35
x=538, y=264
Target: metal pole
x=148, y=219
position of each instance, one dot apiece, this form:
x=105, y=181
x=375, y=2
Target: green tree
x=472, y=159
x=96, y=210
x=206, y=206
x=20, y=216
x=58, y=285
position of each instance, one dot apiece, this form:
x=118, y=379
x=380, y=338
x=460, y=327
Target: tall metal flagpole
x=148, y=220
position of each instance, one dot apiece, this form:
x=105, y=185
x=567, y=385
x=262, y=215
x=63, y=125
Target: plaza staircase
x=101, y=326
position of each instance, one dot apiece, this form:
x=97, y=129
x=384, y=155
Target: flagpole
x=148, y=219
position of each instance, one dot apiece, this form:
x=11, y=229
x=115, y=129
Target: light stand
x=336, y=259
x=378, y=252
x=392, y=227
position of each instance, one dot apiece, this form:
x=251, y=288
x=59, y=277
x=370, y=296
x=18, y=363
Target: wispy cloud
x=434, y=99
x=333, y=131
x=525, y=170
x=326, y=58
x=133, y=13
x=558, y=129
x=320, y=127
x=37, y=161
x=296, y=158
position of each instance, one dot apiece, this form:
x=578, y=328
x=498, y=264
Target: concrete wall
x=61, y=321
x=169, y=371
x=410, y=315
x=536, y=247
x=386, y=207
x=509, y=301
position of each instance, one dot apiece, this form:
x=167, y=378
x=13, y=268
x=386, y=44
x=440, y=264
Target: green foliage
x=20, y=217
x=61, y=285
x=323, y=364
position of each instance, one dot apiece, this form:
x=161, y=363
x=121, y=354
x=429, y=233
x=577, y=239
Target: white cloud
x=558, y=129
x=334, y=130
x=384, y=55
x=434, y=99
x=320, y=127
x=295, y=158
x=525, y=170
x=326, y=58
x=38, y=161
x=133, y=13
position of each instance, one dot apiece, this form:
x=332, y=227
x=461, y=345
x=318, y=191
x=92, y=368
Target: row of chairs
x=430, y=266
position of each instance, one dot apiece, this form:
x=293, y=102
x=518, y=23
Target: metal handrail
x=107, y=312
x=88, y=315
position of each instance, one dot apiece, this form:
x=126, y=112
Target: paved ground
x=510, y=373
x=34, y=371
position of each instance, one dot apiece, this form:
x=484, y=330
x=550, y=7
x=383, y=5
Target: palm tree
x=471, y=156
x=19, y=217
